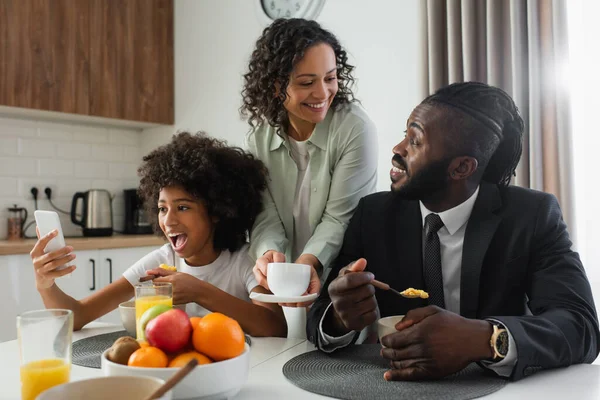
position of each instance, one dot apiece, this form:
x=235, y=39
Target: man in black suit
x=506, y=290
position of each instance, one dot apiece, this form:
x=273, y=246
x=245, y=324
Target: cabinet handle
x=93, y=274
x=109, y=270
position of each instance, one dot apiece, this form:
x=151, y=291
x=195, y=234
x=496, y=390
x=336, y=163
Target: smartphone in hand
x=47, y=221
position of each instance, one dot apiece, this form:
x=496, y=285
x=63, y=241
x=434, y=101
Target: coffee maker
x=136, y=218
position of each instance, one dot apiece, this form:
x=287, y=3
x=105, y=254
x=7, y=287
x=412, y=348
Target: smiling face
x=313, y=85
x=421, y=163
x=185, y=222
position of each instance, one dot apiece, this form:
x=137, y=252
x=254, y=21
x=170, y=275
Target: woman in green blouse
x=319, y=145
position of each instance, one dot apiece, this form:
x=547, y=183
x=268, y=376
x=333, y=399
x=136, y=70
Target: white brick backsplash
x=132, y=154
x=17, y=127
x=36, y=148
x=8, y=187
x=68, y=187
x=91, y=169
x=74, y=151
x=122, y=170
x=55, y=131
x=68, y=158
x=9, y=147
x=125, y=137
x=48, y=167
x=107, y=152
x=14, y=166
x=90, y=134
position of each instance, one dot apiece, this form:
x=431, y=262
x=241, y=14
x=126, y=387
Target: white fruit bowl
x=222, y=379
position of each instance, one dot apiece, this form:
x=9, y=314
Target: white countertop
x=266, y=380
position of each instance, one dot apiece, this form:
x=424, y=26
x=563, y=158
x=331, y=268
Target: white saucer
x=271, y=298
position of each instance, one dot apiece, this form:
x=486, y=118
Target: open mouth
x=178, y=240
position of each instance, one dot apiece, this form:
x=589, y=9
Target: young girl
x=206, y=197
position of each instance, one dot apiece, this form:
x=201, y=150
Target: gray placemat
x=87, y=351
x=357, y=373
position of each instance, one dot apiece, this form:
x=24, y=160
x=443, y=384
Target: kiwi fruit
x=121, y=349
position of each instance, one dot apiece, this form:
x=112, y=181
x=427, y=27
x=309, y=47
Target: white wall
x=214, y=39
x=68, y=158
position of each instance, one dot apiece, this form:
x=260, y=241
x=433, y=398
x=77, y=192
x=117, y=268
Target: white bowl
x=387, y=325
x=127, y=311
x=108, y=387
x=222, y=379
x=288, y=279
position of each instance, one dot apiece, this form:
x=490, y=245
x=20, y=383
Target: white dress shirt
x=452, y=236
x=302, y=233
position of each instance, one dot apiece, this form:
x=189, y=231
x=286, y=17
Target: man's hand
x=186, y=288
x=432, y=343
x=353, y=299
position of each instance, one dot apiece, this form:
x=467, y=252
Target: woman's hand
x=260, y=268
x=186, y=288
x=314, y=285
x=45, y=264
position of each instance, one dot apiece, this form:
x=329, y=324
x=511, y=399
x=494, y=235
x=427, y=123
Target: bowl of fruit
x=171, y=340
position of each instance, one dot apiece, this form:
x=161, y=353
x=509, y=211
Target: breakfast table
x=266, y=380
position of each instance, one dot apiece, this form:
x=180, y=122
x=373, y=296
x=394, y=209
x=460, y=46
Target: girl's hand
x=260, y=268
x=45, y=264
x=186, y=288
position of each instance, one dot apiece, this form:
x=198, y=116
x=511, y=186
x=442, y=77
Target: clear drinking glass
x=149, y=295
x=44, y=350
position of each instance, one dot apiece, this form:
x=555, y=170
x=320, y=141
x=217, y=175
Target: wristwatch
x=499, y=342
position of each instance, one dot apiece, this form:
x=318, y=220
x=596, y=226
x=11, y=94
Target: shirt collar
x=318, y=137
x=455, y=217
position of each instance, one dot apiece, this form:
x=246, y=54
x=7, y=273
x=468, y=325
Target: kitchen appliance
x=136, y=218
x=96, y=212
x=16, y=219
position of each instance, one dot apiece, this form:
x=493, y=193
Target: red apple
x=170, y=331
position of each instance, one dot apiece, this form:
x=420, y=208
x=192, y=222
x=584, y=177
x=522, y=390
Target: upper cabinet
x=101, y=58
x=131, y=59
x=45, y=54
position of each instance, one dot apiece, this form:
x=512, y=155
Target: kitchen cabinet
x=98, y=268
x=131, y=60
x=101, y=58
x=44, y=55
x=95, y=269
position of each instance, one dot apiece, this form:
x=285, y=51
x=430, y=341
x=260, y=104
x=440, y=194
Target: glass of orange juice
x=44, y=350
x=149, y=295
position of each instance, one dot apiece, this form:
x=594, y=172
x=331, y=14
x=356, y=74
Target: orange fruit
x=219, y=337
x=143, y=343
x=150, y=357
x=182, y=359
x=194, y=321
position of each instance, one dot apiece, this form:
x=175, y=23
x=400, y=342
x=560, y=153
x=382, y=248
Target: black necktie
x=432, y=260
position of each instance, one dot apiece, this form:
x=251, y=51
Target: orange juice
x=38, y=376
x=144, y=303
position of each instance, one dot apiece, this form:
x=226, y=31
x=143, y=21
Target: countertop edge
x=24, y=246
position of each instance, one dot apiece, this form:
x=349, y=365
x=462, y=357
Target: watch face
x=502, y=343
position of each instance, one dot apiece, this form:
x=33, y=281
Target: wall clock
x=270, y=10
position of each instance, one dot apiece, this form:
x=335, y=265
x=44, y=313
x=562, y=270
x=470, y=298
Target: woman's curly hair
x=280, y=47
x=228, y=180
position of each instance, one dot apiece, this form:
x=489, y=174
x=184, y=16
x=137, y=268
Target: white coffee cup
x=387, y=325
x=288, y=279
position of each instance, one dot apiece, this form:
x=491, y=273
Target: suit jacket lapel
x=480, y=230
x=408, y=244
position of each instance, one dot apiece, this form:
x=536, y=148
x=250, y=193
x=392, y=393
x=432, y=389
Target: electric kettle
x=96, y=212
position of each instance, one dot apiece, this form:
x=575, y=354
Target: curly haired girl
x=205, y=196
x=320, y=147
